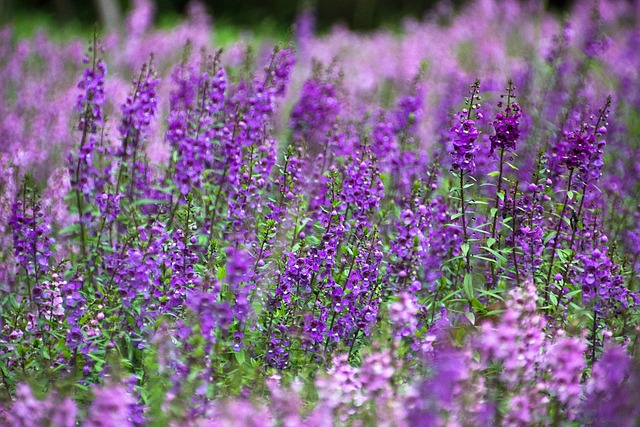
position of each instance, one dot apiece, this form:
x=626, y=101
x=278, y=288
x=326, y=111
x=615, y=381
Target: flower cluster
x=565, y=363
x=506, y=126
x=90, y=103
x=518, y=339
x=603, y=284
x=192, y=123
x=138, y=111
x=31, y=240
x=315, y=113
x=464, y=133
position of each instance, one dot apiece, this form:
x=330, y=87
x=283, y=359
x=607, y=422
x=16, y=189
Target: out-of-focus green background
x=247, y=14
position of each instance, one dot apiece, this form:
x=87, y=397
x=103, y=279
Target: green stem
x=465, y=237
x=556, y=238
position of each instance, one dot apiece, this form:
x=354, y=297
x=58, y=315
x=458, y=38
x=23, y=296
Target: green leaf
x=574, y=293
x=494, y=312
x=512, y=166
x=484, y=258
x=465, y=248
x=81, y=386
x=449, y=296
x=477, y=305
x=203, y=239
x=553, y=298
x=239, y=355
x=467, y=286
x=146, y=202
x=478, y=280
x=493, y=294
x=478, y=230
x=222, y=273
x=70, y=229
x=490, y=241
x=312, y=240
x=472, y=317
x=495, y=253
x=549, y=237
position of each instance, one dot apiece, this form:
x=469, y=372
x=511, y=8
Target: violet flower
x=464, y=133
x=506, y=126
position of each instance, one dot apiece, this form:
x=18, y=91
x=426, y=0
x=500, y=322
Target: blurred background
x=279, y=14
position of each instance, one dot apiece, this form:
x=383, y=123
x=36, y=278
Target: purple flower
x=31, y=241
x=403, y=315
x=603, y=284
x=613, y=390
x=438, y=395
x=91, y=101
x=518, y=339
x=192, y=124
x=506, y=128
x=27, y=411
x=315, y=113
x=409, y=111
x=464, y=134
x=384, y=145
x=529, y=233
x=340, y=389
x=110, y=407
x=565, y=361
x=138, y=111
x=579, y=147
x=582, y=149
x=83, y=173
x=375, y=375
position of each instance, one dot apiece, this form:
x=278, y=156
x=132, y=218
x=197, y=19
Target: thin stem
x=557, y=236
x=464, y=222
x=594, y=331
x=497, y=202
x=574, y=230
x=513, y=232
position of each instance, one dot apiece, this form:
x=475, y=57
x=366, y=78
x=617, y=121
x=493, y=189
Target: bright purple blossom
x=27, y=411
x=192, y=125
x=603, y=284
x=31, y=240
x=110, y=407
x=464, y=133
x=506, y=126
x=612, y=391
x=565, y=360
x=315, y=113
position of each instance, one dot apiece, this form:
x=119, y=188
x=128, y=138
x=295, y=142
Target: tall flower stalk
x=506, y=126
x=582, y=156
x=464, y=134
x=90, y=103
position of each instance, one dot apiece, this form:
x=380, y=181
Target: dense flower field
x=434, y=227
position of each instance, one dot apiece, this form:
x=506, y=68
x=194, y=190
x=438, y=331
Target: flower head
x=506, y=123
x=464, y=134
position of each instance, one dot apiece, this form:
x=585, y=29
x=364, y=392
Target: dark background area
x=356, y=14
